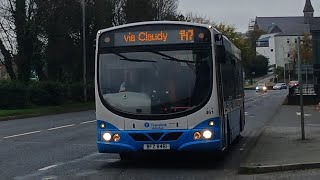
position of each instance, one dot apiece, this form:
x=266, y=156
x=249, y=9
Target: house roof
x=294, y=25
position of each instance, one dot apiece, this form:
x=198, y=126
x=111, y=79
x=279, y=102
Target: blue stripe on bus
x=184, y=143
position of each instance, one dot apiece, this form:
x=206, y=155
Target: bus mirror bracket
x=220, y=54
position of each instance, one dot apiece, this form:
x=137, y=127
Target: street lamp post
x=301, y=92
x=284, y=72
x=84, y=51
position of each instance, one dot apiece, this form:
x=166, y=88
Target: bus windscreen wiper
x=170, y=58
x=124, y=58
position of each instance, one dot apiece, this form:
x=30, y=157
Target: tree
x=138, y=11
x=119, y=15
x=196, y=18
x=7, y=60
x=259, y=65
x=60, y=25
x=306, y=49
x=165, y=9
x=101, y=14
x=20, y=36
x=253, y=36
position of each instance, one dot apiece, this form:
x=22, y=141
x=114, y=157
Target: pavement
x=280, y=146
x=64, y=147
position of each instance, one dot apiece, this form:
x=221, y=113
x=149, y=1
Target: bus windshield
x=155, y=82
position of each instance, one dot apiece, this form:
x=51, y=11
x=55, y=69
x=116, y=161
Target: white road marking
x=307, y=115
x=313, y=124
x=49, y=178
x=60, y=127
x=87, y=122
x=23, y=134
x=48, y=167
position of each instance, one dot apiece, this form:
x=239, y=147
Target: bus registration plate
x=156, y=147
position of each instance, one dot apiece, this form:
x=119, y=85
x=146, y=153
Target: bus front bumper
x=172, y=140
x=207, y=145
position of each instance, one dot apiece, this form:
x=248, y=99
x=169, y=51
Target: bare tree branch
x=6, y=33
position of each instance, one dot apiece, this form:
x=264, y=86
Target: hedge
x=47, y=93
x=15, y=95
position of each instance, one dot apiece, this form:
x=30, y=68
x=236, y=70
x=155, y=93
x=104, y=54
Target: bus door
x=220, y=59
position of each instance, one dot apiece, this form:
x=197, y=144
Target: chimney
x=308, y=12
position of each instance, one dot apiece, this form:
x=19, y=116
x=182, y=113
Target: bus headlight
x=264, y=88
x=207, y=134
x=116, y=137
x=106, y=136
x=197, y=136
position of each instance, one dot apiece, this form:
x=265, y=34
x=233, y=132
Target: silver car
x=280, y=86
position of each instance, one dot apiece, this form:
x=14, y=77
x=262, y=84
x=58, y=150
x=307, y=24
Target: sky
x=239, y=12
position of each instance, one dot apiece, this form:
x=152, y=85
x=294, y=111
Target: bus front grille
x=139, y=137
x=173, y=136
x=155, y=136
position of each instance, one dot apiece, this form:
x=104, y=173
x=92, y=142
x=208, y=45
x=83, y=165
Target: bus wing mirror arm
x=220, y=54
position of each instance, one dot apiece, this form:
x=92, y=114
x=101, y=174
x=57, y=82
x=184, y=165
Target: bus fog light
x=106, y=136
x=197, y=136
x=211, y=123
x=207, y=134
x=116, y=137
x=102, y=126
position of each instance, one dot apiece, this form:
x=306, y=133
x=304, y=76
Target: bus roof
x=157, y=22
x=228, y=44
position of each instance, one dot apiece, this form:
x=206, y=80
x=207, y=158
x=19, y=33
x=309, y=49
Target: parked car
x=261, y=87
x=293, y=83
x=280, y=86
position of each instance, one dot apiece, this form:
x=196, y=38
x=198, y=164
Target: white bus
x=167, y=86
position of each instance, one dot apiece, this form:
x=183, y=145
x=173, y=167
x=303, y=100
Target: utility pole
x=284, y=72
x=84, y=51
x=301, y=93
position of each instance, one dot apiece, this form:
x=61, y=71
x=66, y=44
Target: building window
x=262, y=43
x=288, y=55
x=271, y=50
x=288, y=41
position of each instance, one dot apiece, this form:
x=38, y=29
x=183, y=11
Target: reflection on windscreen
x=155, y=82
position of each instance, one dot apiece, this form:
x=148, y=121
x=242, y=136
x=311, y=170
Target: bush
x=47, y=93
x=75, y=92
x=13, y=95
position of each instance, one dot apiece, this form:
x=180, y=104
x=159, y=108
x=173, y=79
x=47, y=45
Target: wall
x=283, y=46
x=268, y=52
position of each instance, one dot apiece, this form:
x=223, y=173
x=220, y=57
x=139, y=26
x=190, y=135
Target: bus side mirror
x=220, y=54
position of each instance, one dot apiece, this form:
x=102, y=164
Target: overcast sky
x=239, y=12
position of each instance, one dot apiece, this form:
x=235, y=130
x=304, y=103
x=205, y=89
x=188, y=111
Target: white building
x=281, y=33
x=266, y=47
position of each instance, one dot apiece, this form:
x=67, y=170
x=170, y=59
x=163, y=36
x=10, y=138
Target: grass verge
x=44, y=110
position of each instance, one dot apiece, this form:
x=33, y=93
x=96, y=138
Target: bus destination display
x=154, y=37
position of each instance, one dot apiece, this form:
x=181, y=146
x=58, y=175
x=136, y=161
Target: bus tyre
x=126, y=156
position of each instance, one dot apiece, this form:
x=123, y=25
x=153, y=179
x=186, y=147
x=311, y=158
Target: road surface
x=64, y=147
